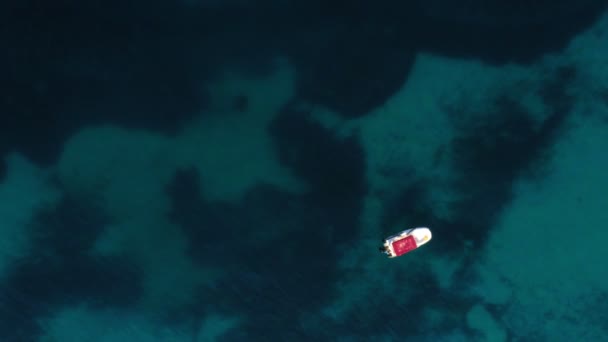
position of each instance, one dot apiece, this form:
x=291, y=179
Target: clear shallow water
x=212, y=172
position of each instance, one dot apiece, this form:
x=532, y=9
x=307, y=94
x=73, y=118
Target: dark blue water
x=225, y=171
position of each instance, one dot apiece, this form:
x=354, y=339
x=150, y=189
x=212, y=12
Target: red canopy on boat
x=404, y=245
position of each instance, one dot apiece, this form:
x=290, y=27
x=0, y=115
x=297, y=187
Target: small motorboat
x=406, y=241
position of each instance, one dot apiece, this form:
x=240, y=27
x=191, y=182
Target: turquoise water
x=208, y=171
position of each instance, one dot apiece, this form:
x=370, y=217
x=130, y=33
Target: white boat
x=406, y=241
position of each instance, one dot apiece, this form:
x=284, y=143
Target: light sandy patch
x=233, y=151
x=83, y=324
x=25, y=190
x=129, y=171
x=408, y=140
x=549, y=246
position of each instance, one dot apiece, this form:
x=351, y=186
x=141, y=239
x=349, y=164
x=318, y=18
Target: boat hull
x=406, y=241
